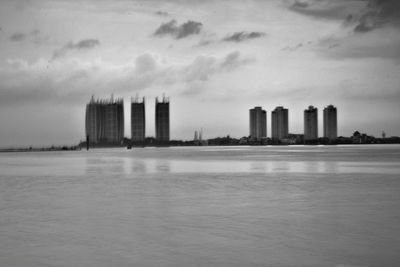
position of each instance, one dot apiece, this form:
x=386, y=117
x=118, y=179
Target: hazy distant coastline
x=219, y=141
x=36, y=149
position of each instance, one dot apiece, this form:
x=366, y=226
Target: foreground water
x=201, y=206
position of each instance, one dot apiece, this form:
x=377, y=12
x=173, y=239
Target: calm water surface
x=201, y=206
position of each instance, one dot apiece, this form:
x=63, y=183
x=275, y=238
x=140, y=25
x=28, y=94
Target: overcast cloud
x=267, y=53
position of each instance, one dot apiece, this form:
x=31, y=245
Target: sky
x=215, y=60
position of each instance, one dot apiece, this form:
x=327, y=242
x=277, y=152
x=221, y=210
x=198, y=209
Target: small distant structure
x=198, y=138
x=383, y=135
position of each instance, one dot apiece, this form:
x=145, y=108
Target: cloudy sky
x=214, y=59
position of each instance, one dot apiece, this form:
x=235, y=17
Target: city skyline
x=273, y=53
x=100, y=127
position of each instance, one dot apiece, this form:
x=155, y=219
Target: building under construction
x=162, y=119
x=138, y=120
x=105, y=121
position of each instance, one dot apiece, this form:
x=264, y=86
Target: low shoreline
x=42, y=149
x=79, y=148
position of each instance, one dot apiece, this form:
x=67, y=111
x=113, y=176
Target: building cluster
x=280, y=123
x=105, y=121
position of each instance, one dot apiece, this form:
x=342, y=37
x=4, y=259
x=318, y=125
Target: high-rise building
x=138, y=120
x=162, y=119
x=105, y=121
x=330, y=122
x=258, y=123
x=311, y=123
x=280, y=123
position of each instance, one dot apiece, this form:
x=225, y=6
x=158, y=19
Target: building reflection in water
x=128, y=165
x=330, y=166
x=138, y=166
x=163, y=166
x=259, y=166
x=105, y=165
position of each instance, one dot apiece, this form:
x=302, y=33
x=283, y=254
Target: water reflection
x=106, y=165
x=258, y=166
x=186, y=208
x=233, y=166
x=227, y=166
x=163, y=166
x=330, y=166
x=173, y=162
x=138, y=166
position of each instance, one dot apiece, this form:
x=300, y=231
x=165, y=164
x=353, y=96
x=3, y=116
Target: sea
x=335, y=206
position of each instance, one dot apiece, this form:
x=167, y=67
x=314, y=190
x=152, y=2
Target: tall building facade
x=105, y=120
x=162, y=119
x=258, y=123
x=138, y=120
x=311, y=123
x=280, y=123
x=330, y=122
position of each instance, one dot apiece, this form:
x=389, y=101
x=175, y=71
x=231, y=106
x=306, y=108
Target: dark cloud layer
x=378, y=14
x=179, y=31
x=325, y=9
x=17, y=37
x=300, y=4
x=242, y=36
x=20, y=36
x=162, y=13
x=362, y=15
x=81, y=45
x=87, y=43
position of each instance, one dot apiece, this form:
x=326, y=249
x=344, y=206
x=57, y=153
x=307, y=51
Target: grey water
x=202, y=206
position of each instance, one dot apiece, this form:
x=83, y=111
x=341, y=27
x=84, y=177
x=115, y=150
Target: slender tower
x=113, y=111
x=258, y=123
x=311, y=123
x=280, y=123
x=138, y=120
x=93, y=122
x=162, y=120
x=330, y=122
